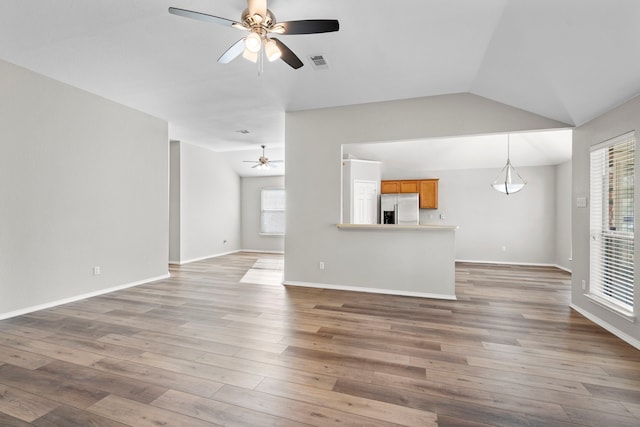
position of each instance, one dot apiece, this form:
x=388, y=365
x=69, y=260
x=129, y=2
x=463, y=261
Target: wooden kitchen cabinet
x=408, y=186
x=401, y=186
x=428, y=191
x=389, y=187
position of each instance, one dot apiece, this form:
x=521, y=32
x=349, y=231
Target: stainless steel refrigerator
x=400, y=208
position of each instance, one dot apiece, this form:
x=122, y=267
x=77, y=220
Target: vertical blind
x=272, y=211
x=612, y=221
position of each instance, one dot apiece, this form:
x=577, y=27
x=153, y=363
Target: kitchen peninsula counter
x=411, y=260
x=420, y=227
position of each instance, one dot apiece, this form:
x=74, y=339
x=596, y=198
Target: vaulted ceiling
x=568, y=60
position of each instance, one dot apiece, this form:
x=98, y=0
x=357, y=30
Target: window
x=272, y=211
x=612, y=223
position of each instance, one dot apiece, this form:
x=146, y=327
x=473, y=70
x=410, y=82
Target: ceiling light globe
x=253, y=42
x=272, y=51
x=250, y=56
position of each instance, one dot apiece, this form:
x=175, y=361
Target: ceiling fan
x=260, y=22
x=263, y=162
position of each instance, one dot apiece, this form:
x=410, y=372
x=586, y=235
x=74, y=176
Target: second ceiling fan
x=260, y=22
x=263, y=161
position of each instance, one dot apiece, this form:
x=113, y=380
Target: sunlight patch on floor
x=265, y=271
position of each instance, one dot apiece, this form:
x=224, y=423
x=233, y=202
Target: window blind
x=272, y=211
x=612, y=221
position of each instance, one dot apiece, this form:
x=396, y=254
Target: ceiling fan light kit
x=250, y=56
x=260, y=22
x=272, y=51
x=253, y=43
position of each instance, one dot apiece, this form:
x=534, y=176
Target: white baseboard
x=187, y=261
x=615, y=331
x=530, y=264
x=78, y=297
x=260, y=251
x=370, y=290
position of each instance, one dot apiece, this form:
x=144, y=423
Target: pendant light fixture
x=508, y=180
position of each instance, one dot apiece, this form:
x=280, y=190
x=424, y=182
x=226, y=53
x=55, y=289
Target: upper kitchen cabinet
x=404, y=186
x=408, y=186
x=426, y=188
x=389, y=187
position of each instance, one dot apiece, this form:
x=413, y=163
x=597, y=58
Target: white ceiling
x=568, y=60
x=412, y=158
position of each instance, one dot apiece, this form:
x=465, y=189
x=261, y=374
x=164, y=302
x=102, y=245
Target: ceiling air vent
x=319, y=62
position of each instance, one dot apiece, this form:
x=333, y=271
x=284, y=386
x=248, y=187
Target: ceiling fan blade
x=253, y=167
x=310, y=26
x=204, y=17
x=276, y=161
x=257, y=7
x=232, y=53
x=287, y=55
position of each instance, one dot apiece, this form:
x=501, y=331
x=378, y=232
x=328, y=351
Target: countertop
x=421, y=227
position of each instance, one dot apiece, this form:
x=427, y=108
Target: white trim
x=615, y=331
x=613, y=141
x=568, y=270
x=607, y=305
x=79, y=297
x=260, y=251
x=187, y=261
x=529, y=264
x=370, y=290
x=377, y=162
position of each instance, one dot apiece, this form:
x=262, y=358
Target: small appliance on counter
x=400, y=208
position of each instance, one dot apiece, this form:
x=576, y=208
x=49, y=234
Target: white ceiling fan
x=263, y=162
x=260, y=22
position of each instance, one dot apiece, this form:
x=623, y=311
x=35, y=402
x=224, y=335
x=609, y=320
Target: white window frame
x=272, y=208
x=612, y=225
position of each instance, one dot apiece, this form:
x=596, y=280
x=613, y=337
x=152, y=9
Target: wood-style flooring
x=205, y=349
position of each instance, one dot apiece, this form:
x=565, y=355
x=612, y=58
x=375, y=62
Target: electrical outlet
x=503, y=249
x=96, y=271
x=321, y=265
x=442, y=217
x=584, y=285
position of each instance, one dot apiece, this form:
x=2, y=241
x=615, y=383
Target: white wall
x=174, y=202
x=209, y=199
x=251, y=238
x=523, y=224
x=563, y=216
x=83, y=183
x=313, y=152
x=614, y=123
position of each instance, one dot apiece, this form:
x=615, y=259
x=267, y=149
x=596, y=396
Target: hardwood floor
x=204, y=349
